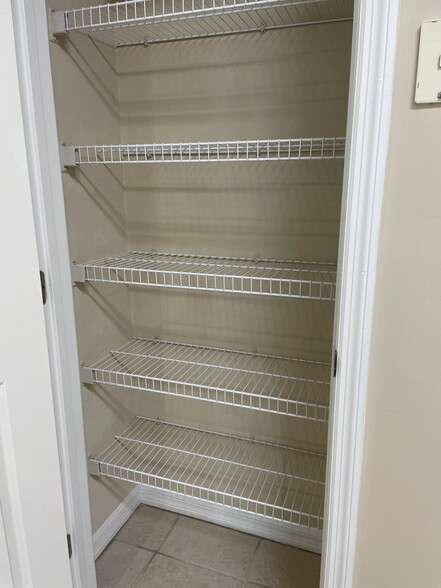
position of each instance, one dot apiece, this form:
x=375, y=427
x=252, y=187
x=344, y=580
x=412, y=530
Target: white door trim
x=42, y=150
x=375, y=26
x=373, y=60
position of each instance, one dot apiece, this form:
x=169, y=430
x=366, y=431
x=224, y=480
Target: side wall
x=398, y=543
x=85, y=88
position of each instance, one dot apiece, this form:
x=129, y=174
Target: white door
x=33, y=546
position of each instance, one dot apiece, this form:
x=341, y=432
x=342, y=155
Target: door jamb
x=373, y=57
x=370, y=100
x=42, y=151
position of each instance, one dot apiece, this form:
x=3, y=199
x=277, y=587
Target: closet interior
x=202, y=156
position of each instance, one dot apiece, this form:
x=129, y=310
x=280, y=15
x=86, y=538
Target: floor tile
x=281, y=566
x=120, y=565
x=147, y=527
x=165, y=572
x=217, y=548
x=253, y=585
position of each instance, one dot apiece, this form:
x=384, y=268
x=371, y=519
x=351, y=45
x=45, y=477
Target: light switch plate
x=428, y=86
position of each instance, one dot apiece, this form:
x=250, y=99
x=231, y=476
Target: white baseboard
x=221, y=515
x=113, y=524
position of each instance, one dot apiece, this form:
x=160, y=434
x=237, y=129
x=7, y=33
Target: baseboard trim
x=221, y=515
x=117, y=519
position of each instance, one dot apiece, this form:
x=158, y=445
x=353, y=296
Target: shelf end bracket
x=86, y=374
x=68, y=156
x=57, y=25
x=78, y=273
x=93, y=467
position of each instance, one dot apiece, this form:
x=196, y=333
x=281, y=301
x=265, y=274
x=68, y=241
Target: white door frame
x=370, y=100
x=33, y=542
x=373, y=57
x=42, y=150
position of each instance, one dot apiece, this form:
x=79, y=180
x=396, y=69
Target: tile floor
x=159, y=549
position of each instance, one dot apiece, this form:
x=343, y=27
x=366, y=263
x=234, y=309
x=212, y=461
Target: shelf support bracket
x=57, y=25
x=68, y=156
x=86, y=374
x=78, y=273
x=93, y=468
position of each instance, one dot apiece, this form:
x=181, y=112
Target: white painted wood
x=50, y=221
x=274, y=530
x=117, y=519
x=373, y=58
x=247, y=523
x=5, y=563
x=30, y=489
x=12, y=512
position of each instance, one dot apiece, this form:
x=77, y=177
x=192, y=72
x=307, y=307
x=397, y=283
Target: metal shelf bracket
x=86, y=374
x=57, y=24
x=68, y=156
x=93, y=468
x=78, y=273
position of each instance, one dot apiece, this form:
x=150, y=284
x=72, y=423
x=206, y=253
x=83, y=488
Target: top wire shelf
x=141, y=22
x=210, y=151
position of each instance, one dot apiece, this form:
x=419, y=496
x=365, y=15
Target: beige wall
x=288, y=83
x=399, y=534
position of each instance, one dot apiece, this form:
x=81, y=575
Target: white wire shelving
x=212, y=151
x=267, y=383
x=268, y=480
x=268, y=277
x=141, y=22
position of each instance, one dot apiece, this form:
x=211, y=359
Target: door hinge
x=43, y=286
x=69, y=545
x=334, y=373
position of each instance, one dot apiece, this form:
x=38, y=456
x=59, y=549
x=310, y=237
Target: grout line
x=169, y=533
x=251, y=560
x=196, y=565
x=133, y=545
x=154, y=551
x=157, y=552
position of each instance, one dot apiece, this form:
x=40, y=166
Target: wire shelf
x=268, y=480
x=267, y=383
x=214, y=151
x=268, y=277
x=136, y=22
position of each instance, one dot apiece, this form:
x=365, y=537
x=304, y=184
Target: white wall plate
x=428, y=85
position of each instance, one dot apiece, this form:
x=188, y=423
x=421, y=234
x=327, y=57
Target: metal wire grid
x=259, y=150
x=269, y=277
x=268, y=480
x=137, y=22
x=268, y=383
